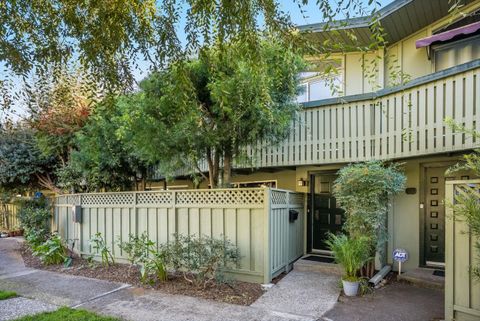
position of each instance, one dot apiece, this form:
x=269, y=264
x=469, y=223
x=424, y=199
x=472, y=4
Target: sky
x=310, y=15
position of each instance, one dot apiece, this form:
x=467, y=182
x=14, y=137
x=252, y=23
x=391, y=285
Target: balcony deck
x=393, y=123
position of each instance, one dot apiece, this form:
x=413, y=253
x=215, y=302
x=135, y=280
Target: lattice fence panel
x=221, y=197
x=108, y=199
x=279, y=197
x=154, y=198
x=61, y=200
x=73, y=199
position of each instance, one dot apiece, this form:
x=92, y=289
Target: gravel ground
x=18, y=307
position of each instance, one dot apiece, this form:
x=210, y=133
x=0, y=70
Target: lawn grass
x=7, y=295
x=67, y=314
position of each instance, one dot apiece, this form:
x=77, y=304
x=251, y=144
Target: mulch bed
x=241, y=293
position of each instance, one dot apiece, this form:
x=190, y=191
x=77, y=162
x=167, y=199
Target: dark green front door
x=325, y=216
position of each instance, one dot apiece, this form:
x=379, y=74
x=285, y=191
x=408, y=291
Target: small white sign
x=400, y=255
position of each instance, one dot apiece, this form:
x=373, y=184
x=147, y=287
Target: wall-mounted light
x=302, y=182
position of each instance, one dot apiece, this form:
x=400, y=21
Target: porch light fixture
x=302, y=182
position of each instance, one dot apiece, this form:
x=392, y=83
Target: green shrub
x=35, y=237
x=34, y=216
x=99, y=245
x=136, y=248
x=202, y=260
x=52, y=251
x=34, y=213
x=351, y=253
x=364, y=191
x=142, y=251
x=153, y=267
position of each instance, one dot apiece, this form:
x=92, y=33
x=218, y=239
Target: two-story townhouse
x=378, y=114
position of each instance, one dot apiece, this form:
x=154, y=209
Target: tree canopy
x=22, y=164
x=210, y=108
x=108, y=39
x=100, y=159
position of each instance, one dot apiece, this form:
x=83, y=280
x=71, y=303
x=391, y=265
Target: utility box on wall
x=77, y=213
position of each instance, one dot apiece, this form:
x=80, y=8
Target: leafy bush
x=136, y=247
x=52, y=251
x=99, y=245
x=34, y=213
x=364, y=191
x=36, y=237
x=202, y=260
x=154, y=265
x=34, y=216
x=351, y=253
x=141, y=251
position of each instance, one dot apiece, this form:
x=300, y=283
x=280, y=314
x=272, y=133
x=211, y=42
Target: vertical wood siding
x=462, y=292
x=246, y=217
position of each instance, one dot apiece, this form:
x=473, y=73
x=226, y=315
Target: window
x=456, y=53
x=322, y=80
x=254, y=184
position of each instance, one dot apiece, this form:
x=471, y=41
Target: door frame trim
x=311, y=191
x=422, y=198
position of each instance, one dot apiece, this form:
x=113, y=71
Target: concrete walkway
x=300, y=296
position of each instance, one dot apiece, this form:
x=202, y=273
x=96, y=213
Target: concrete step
x=423, y=277
x=314, y=266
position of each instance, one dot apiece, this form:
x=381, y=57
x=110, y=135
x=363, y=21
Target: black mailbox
x=292, y=215
x=77, y=213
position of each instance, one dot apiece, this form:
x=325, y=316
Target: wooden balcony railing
x=392, y=123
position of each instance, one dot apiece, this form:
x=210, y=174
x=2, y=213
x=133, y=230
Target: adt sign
x=400, y=255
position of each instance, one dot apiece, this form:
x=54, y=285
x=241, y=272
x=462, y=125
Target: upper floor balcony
x=393, y=123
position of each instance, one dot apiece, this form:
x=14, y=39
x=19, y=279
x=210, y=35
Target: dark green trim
x=388, y=91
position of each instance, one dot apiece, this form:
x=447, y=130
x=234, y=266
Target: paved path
x=300, y=296
x=395, y=302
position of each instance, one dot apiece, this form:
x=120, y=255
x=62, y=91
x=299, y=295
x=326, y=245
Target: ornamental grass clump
x=351, y=253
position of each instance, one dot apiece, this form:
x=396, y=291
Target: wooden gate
x=462, y=291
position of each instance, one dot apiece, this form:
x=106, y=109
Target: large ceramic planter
x=350, y=288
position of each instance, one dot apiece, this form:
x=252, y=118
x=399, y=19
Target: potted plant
x=352, y=254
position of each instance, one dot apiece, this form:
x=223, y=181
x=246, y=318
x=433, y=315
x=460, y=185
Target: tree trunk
x=47, y=182
x=227, y=168
x=213, y=165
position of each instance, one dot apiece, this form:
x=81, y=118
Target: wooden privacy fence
x=8, y=216
x=257, y=220
x=462, y=292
